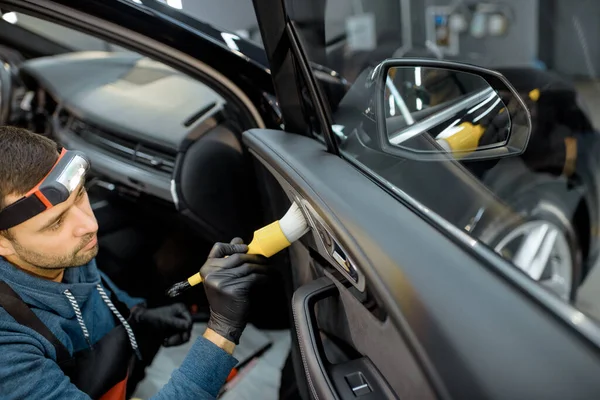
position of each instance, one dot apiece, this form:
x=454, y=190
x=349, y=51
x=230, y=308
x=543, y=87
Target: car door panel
x=342, y=380
x=455, y=326
x=373, y=338
x=344, y=316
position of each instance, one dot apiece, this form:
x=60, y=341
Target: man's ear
x=6, y=247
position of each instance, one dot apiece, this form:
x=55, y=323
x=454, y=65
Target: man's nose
x=86, y=223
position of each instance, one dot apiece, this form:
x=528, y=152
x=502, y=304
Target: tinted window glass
x=540, y=210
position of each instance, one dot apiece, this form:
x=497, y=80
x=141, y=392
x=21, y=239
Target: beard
x=76, y=258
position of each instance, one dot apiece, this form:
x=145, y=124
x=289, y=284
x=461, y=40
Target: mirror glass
x=439, y=110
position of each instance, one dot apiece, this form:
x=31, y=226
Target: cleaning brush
x=267, y=241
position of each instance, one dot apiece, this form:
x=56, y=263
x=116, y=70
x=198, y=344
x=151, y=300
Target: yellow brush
x=466, y=138
x=267, y=241
x=467, y=134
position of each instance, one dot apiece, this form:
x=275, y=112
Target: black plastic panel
x=360, y=379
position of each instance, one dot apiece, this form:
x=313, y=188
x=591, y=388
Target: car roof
x=225, y=38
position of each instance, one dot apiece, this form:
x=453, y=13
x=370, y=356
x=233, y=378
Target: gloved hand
x=227, y=283
x=509, y=118
x=174, y=322
x=497, y=128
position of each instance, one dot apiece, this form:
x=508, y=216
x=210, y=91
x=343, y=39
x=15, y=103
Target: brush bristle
x=178, y=288
x=293, y=224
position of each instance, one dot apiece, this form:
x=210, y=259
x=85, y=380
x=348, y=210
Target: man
x=66, y=331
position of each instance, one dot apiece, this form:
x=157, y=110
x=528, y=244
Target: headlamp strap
x=20, y=211
x=28, y=206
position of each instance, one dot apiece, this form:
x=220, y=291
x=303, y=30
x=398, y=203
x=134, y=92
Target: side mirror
x=431, y=109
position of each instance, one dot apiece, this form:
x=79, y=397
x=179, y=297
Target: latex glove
x=227, y=283
x=174, y=322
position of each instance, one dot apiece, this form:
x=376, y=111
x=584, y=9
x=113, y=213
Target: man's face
x=63, y=236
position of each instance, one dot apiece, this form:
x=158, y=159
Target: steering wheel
x=6, y=87
x=10, y=61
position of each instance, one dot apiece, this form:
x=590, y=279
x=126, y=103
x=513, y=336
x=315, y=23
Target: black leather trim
x=303, y=303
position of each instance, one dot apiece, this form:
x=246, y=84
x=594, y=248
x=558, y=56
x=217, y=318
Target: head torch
x=56, y=187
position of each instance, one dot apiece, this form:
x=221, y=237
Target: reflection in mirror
x=440, y=110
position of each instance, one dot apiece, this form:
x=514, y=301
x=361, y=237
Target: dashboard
x=145, y=127
x=131, y=115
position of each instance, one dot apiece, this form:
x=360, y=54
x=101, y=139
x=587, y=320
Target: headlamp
x=56, y=187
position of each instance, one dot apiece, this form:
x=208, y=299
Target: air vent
x=132, y=151
x=104, y=140
x=63, y=117
x=154, y=159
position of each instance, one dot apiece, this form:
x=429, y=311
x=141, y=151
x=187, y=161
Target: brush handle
x=195, y=279
x=267, y=241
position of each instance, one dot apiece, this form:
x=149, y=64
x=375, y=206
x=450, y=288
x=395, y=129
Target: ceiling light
x=10, y=17
x=175, y=4
x=230, y=40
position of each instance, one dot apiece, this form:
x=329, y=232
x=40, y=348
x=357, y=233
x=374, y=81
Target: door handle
x=332, y=250
x=340, y=257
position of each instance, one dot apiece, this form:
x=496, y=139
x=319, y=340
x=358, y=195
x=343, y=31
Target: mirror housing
x=458, y=127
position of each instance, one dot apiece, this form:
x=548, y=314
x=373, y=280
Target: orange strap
x=117, y=392
x=35, y=191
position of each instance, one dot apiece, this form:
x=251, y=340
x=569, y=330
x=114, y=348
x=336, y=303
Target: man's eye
x=55, y=225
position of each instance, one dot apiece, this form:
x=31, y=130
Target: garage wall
x=577, y=29
x=518, y=48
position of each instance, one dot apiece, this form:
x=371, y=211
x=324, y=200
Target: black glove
x=511, y=116
x=497, y=129
x=227, y=282
x=173, y=322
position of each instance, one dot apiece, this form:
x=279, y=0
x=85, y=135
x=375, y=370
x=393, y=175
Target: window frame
x=288, y=59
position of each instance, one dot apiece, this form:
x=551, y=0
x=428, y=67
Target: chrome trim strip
x=114, y=145
x=353, y=274
x=174, y=194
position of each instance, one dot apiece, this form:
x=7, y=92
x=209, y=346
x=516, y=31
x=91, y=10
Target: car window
x=541, y=209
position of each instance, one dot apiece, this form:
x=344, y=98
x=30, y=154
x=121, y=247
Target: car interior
x=170, y=174
x=374, y=312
